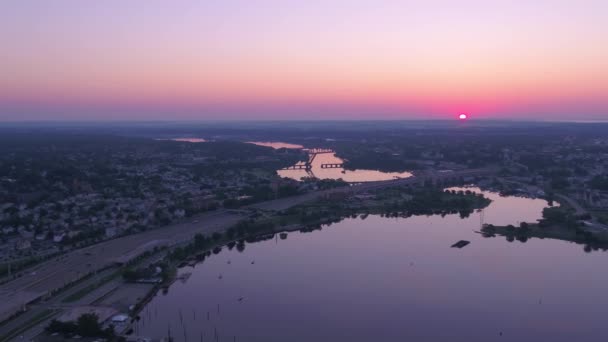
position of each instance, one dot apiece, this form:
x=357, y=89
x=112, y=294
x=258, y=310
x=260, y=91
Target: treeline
x=599, y=183
x=87, y=325
x=429, y=202
x=203, y=246
x=199, y=243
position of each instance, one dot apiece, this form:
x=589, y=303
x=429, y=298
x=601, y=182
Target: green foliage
x=559, y=183
x=199, y=243
x=62, y=327
x=599, y=183
x=249, y=227
x=132, y=275
x=324, y=184
x=554, y=215
x=558, y=216
x=87, y=325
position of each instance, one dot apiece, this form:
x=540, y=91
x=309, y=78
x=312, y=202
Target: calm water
x=351, y=176
x=276, y=144
x=386, y=279
x=192, y=140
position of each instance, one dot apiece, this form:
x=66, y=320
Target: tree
x=554, y=215
x=599, y=183
x=61, y=327
x=89, y=326
x=558, y=216
x=559, y=183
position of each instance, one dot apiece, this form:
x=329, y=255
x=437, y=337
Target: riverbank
x=308, y=217
x=395, y=202
x=386, y=262
x=577, y=235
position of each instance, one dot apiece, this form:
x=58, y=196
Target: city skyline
x=279, y=60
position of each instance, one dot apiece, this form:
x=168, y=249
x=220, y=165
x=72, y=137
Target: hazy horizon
x=319, y=60
x=471, y=120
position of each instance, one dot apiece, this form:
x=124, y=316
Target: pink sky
x=284, y=59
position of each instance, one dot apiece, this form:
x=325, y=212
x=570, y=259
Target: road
x=594, y=226
x=59, y=304
x=56, y=304
x=56, y=273
x=579, y=210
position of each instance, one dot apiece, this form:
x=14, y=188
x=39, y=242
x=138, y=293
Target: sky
x=296, y=59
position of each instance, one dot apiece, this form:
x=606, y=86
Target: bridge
x=318, y=150
x=54, y=274
x=332, y=166
x=312, y=154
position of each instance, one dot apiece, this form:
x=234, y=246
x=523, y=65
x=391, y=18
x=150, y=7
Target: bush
x=87, y=325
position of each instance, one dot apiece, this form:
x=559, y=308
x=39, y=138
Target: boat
x=461, y=244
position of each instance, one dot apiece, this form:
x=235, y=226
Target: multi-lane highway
x=54, y=274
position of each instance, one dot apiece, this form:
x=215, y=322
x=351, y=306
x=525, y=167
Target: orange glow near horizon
x=371, y=60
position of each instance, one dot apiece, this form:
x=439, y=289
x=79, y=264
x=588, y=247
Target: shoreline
x=263, y=232
x=580, y=236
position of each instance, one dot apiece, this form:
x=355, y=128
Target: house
x=58, y=237
x=111, y=232
x=26, y=234
x=23, y=244
x=120, y=318
x=8, y=230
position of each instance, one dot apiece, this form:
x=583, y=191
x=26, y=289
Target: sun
x=462, y=116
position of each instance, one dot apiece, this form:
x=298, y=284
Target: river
x=392, y=279
x=351, y=176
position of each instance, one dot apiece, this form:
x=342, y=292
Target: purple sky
x=284, y=59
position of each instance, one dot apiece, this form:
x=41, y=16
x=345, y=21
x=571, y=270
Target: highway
x=594, y=226
x=56, y=273
x=59, y=304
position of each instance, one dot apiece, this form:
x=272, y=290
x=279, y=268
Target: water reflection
x=191, y=140
x=351, y=176
x=276, y=144
x=524, y=209
x=373, y=278
x=317, y=171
